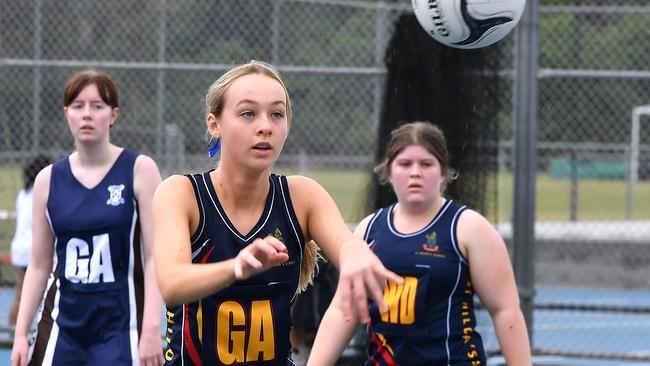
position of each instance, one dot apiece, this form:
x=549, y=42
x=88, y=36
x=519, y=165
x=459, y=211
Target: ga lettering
x=245, y=340
x=82, y=267
x=401, y=302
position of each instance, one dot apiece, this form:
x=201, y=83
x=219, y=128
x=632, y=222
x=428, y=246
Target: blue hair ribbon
x=212, y=150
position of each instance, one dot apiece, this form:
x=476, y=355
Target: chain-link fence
x=593, y=187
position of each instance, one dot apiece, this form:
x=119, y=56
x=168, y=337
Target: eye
x=247, y=114
x=277, y=115
x=76, y=105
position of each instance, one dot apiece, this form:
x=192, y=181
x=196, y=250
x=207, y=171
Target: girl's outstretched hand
x=259, y=256
x=362, y=275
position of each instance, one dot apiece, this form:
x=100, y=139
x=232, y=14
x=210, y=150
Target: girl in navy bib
x=92, y=252
x=446, y=254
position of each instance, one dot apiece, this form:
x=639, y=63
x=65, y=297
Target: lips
x=262, y=146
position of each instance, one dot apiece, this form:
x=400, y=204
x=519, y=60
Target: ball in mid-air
x=468, y=23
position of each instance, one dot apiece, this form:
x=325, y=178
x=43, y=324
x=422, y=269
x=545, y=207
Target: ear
x=214, y=126
x=114, y=114
x=65, y=112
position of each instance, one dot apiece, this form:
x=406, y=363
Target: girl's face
x=89, y=117
x=416, y=176
x=253, y=123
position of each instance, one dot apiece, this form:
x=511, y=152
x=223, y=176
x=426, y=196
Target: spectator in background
x=21, y=245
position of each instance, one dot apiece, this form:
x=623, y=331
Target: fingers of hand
x=239, y=270
x=344, y=292
x=270, y=250
x=375, y=286
x=248, y=259
x=391, y=276
x=360, y=299
x=276, y=244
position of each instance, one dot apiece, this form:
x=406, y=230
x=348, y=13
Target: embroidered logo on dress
x=278, y=235
x=115, y=198
x=432, y=243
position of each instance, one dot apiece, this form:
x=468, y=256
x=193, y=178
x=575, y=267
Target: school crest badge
x=115, y=195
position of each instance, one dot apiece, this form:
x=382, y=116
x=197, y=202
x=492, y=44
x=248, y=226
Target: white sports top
x=21, y=245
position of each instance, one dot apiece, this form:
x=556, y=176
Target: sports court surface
x=572, y=330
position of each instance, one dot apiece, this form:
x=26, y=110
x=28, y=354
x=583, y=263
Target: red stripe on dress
x=206, y=256
x=187, y=339
x=383, y=352
x=189, y=343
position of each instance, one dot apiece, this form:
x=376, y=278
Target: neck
x=95, y=154
x=241, y=187
x=410, y=218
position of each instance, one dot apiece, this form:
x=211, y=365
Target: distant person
x=446, y=253
x=21, y=245
x=92, y=245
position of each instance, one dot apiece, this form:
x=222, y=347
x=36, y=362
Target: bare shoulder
x=42, y=182
x=145, y=165
x=174, y=199
x=175, y=186
x=300, y=182
x=305, y=188
x=146, y=176
x=471, y=217
x=474, y=229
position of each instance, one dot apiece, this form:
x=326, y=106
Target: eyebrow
x=249, y=101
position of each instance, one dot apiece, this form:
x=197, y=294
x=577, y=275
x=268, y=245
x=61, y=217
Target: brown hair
x=105, y=86
x=420, y=133
x=215, y=98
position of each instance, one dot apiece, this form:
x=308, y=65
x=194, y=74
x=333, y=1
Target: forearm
x=184, y=283
x=511, y=331
x=334, y=334
x=32, y=293
x=152, y=299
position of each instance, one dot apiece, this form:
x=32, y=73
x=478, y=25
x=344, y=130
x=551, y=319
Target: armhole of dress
x=291, y=213
x=199, y=202
x=375, y=216
x=454, y=234
x=134, y=158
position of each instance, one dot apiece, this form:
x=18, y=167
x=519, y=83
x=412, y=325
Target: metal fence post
x=525, y=132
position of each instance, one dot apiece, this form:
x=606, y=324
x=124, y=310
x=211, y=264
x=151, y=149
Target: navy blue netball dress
x=249, y=321
x=92, y=312
x=431, y=319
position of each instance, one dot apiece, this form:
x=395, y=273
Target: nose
x=264, y=128
x=415, y=171
x=86, y=111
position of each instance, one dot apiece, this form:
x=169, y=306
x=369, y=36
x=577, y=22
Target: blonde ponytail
x=309, y=266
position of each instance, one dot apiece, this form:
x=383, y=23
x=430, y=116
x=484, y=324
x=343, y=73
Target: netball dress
x=431, y=319
x=249, y=321
x=92, y=311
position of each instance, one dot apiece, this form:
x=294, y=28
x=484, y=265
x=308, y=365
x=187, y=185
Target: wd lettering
x=401, y=302
x=83, y=267
x=169, y=353
x=242, y=336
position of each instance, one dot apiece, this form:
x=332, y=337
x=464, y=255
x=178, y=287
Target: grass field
x=597, y=199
